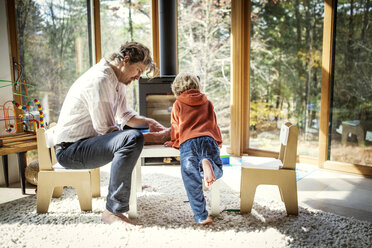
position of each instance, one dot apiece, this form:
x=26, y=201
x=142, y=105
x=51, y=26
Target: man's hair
x=185, y=81
x=137, y=53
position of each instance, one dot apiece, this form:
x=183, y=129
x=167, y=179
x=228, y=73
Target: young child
x=194, y=131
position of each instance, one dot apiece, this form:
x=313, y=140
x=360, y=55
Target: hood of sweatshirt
x=192, y=97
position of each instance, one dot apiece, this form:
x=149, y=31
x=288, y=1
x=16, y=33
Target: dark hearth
x=156, y=98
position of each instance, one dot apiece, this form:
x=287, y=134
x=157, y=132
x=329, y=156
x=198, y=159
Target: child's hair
x=185, y=81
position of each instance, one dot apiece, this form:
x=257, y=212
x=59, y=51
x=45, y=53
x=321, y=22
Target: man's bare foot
x=207, y=221
x=110, y=218
x=209, y=177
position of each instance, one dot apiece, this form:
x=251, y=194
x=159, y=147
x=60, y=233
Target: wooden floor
x=341, y=193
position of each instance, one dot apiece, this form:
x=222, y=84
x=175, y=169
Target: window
x=53, y=48
x=351, y=112
x=285, y=76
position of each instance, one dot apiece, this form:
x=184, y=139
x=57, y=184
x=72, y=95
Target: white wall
x=6, y=92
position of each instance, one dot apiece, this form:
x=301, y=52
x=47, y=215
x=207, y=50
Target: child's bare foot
x=209, y=177
x=110, y=218
x=207, y=221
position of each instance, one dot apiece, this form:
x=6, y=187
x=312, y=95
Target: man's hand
x=140, y=121
x=155, y=126
x=160, y=137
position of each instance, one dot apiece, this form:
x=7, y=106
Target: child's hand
x=168, y=144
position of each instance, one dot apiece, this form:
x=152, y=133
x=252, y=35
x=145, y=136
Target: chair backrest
x=45, y=148
x=288, y=145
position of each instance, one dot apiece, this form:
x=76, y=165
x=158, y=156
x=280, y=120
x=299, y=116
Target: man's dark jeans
x=121, y=147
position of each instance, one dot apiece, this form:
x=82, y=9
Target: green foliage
x=123, y=21
x=285, y=77
x=262, y=112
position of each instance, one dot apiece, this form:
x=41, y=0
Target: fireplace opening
x=156, y=99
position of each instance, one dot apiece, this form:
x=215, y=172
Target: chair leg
x=95, y=182
x=132, y=213
x=57, y=192
x=138, y=173
x=246, y=199
x=215, y=198
x=84, y=192
x=289, y=192
x=247, y=192
x=44, y=193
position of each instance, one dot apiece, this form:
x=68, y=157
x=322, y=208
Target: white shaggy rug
x=167, y=220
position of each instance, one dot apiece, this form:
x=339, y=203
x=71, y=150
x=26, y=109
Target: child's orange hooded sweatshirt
x=193, y=116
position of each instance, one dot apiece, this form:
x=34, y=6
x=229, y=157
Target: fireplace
x=155, y=95
x=156, y=98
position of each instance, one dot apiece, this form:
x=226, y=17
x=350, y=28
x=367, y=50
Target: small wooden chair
x=52, y=176
x=285, y=177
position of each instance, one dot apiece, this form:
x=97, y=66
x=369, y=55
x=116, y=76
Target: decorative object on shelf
x=9, y=117
x=26, y=117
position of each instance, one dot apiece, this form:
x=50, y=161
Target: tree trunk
x=349, y=52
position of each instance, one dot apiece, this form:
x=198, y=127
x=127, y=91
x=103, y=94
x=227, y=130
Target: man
x=86, y=134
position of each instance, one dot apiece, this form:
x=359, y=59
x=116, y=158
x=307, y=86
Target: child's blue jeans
x=192, y=152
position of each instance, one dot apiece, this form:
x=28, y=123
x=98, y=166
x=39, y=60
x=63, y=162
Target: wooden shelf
x=16, y=143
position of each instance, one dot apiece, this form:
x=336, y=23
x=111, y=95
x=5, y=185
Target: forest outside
x=285, y=75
